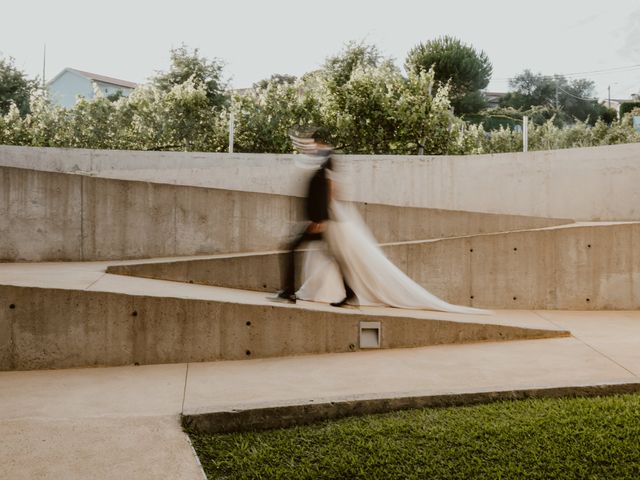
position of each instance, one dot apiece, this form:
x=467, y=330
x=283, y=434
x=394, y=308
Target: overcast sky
x=131, y=39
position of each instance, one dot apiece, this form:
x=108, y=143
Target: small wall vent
x=370, y=335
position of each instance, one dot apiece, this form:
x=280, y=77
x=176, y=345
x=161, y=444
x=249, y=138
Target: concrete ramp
x=75, y=315
x=582, y=266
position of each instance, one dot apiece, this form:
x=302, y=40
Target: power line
x=577, y=96
x=573, y=74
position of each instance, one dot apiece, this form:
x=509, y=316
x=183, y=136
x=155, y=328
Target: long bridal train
x=374, y=279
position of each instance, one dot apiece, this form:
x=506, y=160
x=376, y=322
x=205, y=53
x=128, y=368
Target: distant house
x=493, y=99
x=65, y=88
x=616, y=102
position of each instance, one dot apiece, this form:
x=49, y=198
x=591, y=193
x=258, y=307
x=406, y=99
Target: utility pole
x=231, y=131
x=525, y=133
x=609, y=90
x=44, y=65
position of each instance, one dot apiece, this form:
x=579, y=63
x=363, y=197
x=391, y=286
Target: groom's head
x=323, y=140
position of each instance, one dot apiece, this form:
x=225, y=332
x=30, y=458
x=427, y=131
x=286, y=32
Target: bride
x=351, y=250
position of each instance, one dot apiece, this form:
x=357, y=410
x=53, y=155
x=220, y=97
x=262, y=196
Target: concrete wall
x=576, y=268
x=51, y=328
x=47, y=216
x=597, y=183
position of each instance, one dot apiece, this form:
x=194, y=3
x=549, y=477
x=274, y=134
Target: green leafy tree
x=276, y=79
x=564, y=100
x=265, y=114
x=467, y=70
x=15, y=87
x=626, y=107
x=339, y=68
x=360, y=111
x=361, y=97
x=425, y=122
x=189, y=65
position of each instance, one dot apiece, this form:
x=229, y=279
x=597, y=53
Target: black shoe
x=287, y=295
x=342, y=302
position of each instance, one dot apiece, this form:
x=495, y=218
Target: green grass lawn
x=583, y=438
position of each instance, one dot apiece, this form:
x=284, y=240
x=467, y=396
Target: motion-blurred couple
x=345, y=265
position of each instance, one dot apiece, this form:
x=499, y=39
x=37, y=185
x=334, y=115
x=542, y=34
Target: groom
x=315, y=143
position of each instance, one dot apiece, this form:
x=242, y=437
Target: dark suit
x=317, y=201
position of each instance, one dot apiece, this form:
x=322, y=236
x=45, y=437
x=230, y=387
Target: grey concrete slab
x=97, y=423
x=586, y=183
x=146, y=390
x=422, y=371
x=614, y=334
x=65, y=328
x=141, y=448
x=49, y=216
x=583, y=266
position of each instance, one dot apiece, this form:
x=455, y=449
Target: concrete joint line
x=184, y=391
x=82, y=180
x=175, y=221
x=589, y=345
x=95, y=281
x=605, y=355
x=264, y=418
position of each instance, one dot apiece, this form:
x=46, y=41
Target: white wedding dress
x=374, y=279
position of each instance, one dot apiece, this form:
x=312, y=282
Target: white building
x=65, y=88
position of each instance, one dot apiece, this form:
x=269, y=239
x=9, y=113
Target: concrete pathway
x=123, y=422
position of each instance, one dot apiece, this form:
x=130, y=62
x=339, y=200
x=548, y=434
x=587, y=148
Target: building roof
x=495, y=94
x=97, y=78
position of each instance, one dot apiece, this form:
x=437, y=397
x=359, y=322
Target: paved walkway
x=123, y=422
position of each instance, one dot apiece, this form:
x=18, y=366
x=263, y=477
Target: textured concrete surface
x=126, y=320
x=97, y=448
x=95, y=423
x=582, y=266
x=47, y=216
x=595, y=183
x=123, y=422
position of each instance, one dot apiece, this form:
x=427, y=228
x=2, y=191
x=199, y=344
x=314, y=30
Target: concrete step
x=73, y=315
x=582, y=266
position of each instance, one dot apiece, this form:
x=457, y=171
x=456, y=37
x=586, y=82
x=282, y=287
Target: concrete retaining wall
x=51, y=328
x=47, y=216
x=576, y=267
x=596, y=183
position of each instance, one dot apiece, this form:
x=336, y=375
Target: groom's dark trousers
x=290, y=259
x=290, y=267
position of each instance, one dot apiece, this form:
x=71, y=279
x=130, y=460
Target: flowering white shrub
x=369, y=106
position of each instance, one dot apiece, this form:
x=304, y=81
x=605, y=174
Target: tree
x=276, y=79
x=189, y=65
x=339, y=68
x=467, y=70
x=265, y=113
x=566, y=100
x=15, y=87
